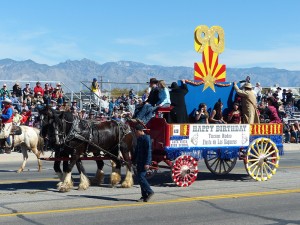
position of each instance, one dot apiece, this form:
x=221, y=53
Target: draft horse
x=110, y=139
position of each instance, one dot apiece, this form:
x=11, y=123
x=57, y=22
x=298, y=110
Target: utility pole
x=101, y=80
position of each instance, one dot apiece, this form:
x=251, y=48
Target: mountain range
x=75, y=74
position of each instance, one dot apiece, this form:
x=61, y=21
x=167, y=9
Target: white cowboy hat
x=7, y=100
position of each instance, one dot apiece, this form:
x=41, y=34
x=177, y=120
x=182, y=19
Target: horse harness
x=76, y=134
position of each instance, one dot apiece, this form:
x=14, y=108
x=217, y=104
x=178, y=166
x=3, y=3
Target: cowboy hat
x=139, y=127
x=248, y=85
x=152, y=80
x=7, y=100
x=174, y=85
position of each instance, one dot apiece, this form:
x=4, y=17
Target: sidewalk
x=291, y=147
x=18, y=157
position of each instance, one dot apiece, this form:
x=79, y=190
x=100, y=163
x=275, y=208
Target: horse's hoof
x=64, y=190
x=59, y=184
x=19, y=171
x=127, y=184
x=115, y=179
x=96, y=182
x=82, y=187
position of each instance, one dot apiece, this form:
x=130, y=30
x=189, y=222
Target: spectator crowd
x=277, y=106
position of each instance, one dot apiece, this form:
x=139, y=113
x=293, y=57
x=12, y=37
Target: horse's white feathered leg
x=84, y=182
x=115, y=176
x=67, y=183
x=128, y=181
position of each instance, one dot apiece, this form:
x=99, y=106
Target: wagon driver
x=6, y=121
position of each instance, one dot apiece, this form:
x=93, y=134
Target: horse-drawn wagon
x=181, y=146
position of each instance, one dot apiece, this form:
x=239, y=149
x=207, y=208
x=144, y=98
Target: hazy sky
x=263, y=33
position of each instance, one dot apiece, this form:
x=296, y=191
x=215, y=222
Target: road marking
x=164, y=202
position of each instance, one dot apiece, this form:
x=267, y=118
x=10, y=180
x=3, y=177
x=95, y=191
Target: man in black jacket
x=154, y=92
x=177, y=95
x=142, y=158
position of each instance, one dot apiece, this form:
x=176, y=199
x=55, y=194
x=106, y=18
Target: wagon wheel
x=184, y=170
x=218, y=165
x=262, y=159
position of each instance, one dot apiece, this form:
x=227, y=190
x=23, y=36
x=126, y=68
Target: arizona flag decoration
x=209, y=70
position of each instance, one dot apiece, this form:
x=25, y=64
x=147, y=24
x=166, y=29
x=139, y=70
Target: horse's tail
x=40, y=145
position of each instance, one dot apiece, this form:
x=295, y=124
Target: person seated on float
x=201, y=115
x=144, y=112
x=216, y=115
x=272, y=110
x=163, y=95
x=235, y=115
x=153, y=97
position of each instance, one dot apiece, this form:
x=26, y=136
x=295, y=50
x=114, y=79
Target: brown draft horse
x=113, y=140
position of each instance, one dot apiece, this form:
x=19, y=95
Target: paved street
x=32, y=198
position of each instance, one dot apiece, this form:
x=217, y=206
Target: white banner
x=213, y=135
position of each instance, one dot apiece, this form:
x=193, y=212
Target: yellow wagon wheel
x=262, y=159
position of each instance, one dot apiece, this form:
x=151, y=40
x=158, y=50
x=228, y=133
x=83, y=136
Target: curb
x=291, y=147
x=18, y=157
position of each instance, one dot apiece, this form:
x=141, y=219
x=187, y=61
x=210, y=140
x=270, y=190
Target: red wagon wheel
x=184, y=170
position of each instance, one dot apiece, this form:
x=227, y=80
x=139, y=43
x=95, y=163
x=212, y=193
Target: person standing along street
x=142, y=158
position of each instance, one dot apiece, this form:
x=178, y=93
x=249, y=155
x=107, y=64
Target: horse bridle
x=66, y=137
